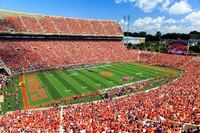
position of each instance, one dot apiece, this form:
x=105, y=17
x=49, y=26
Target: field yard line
x=66, y=83
x=95, y=77
x=65, y=90
x=146, y=68
x=90, y=67
x=110, y=88
x=126, y=70
x=53, y=85
x=114, y=79
x=84, y=78
x=77, y=83
x=90, y=84
x=44, y=85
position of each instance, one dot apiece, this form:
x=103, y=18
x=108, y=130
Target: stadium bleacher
x=39, y=24
x=51, y=54
x=166, y=108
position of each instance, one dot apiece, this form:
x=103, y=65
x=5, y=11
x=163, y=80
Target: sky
x=150, y=16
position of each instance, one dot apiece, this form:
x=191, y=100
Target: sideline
x=24, y=93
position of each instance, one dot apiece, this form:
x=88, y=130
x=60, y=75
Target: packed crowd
x=40, y=24
x=35, y=55
x=32, y=55
x=178, y=47
x=164, y=109
x=174, y=61
x=47, y=120
x=145, y=56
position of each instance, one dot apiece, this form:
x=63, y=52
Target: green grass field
x=58, y=84
x=65, y=83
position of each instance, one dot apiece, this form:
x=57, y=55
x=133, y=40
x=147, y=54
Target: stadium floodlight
x=126, y=22
x=124, y=25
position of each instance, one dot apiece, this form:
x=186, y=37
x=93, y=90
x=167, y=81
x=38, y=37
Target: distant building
x=133, y=40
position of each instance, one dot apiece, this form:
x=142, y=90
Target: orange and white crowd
x=50, y=25
x=31, y=55
x=165, y=109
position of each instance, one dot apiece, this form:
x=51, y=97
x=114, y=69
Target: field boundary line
x=24, y=93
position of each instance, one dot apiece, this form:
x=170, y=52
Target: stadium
x=61, y=74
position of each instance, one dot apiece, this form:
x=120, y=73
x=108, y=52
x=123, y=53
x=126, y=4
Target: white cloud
x=165, y=5
x=178, y=29
x=171, y=21
x=148, y=21
x=193, y=18
x=180, y=7
x=145, y=5
x=120, y=1
x=165, y=25
x=148, y=24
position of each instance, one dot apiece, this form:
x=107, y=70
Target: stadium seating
x=31, y=24
x=162, y=109
x=31, y=55
x=145, y=56
x=47, y=24
x=40, y=24
x=165, y=109
x=174, y=61
x=47, y=120
x=11, y=23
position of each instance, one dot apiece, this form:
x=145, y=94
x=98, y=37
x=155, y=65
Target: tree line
x=154, y=43
x=158, y=35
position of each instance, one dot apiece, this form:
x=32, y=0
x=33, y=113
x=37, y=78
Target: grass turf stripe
x=146, y=69
x=51, y=89
x=146, y=73
x=94, y=78
x=47, y=92
x=59, y=86
x=115, y=82
x=82, y=82
x=84, y=78
x=67, y=84
x=128, y=72
x=77, y=85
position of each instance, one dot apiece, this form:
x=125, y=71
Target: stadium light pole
x=124, y=25
x=128, y=19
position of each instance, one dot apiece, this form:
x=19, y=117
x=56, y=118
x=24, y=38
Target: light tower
x=126, y=22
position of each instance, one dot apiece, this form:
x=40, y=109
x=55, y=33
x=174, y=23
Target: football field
x=53, y=85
